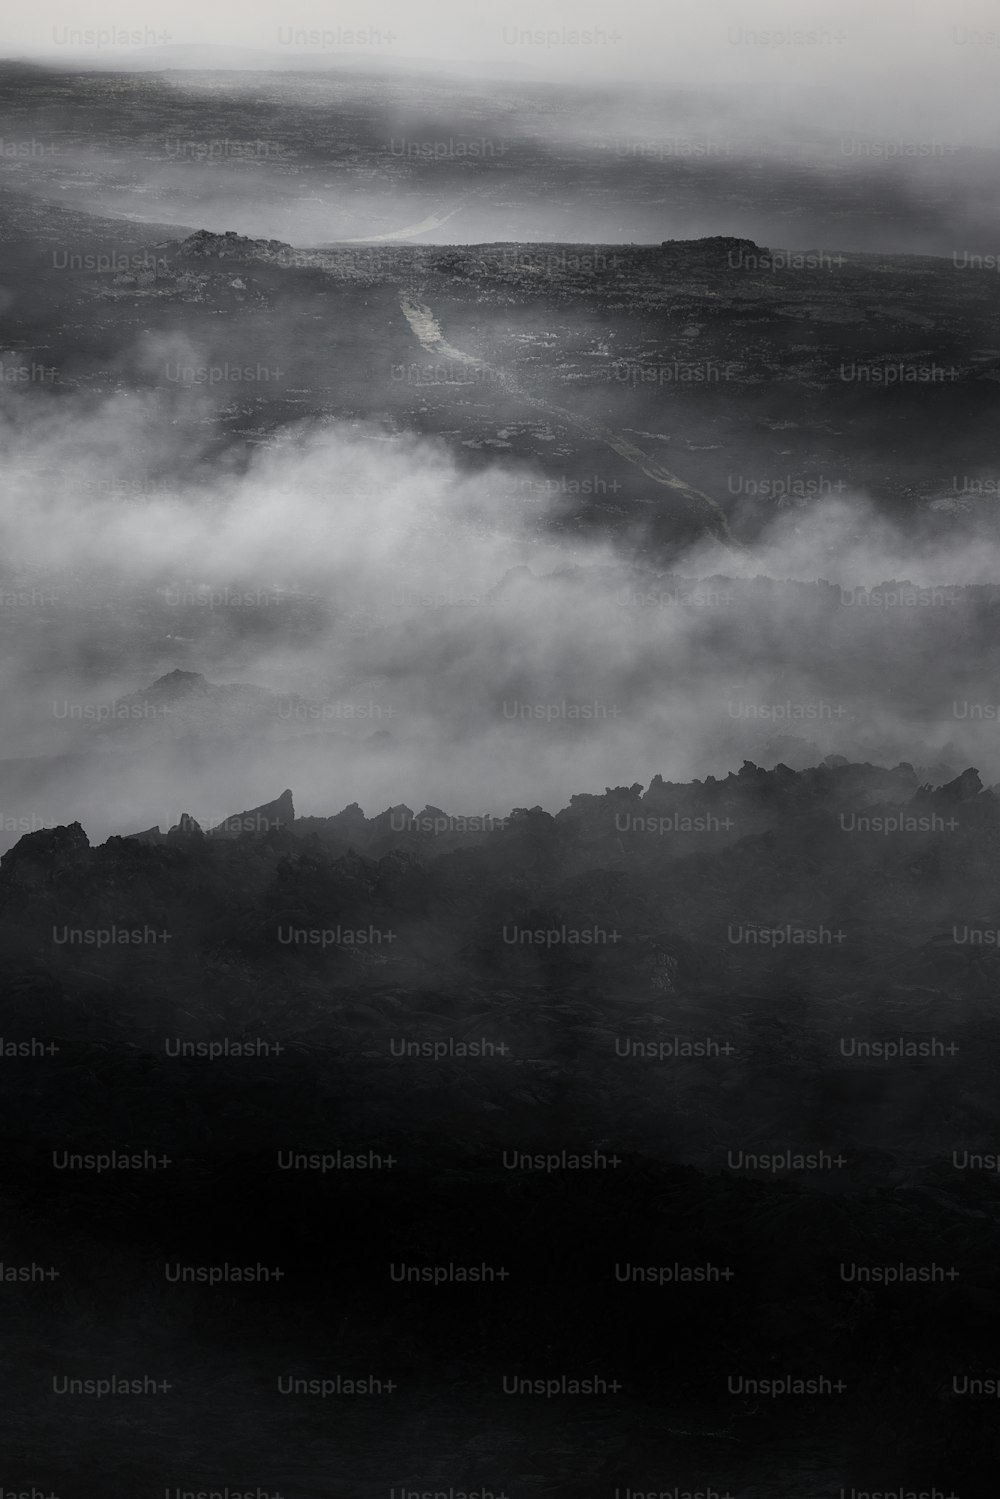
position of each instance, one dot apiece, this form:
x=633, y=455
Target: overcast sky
x=902, y=49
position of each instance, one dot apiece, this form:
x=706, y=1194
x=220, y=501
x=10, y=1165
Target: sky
x=786, y=40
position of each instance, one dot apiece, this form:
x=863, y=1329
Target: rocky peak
x=232, y=246
x=271, y=815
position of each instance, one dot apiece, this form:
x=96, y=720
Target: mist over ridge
x=499, y=774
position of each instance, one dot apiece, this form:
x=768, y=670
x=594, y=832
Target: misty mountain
x=499, y=775
x=358, y=151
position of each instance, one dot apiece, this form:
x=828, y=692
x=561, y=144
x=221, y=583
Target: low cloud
x=499, y=661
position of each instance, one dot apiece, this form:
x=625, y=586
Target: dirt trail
x=427, y=331
x=433, y=221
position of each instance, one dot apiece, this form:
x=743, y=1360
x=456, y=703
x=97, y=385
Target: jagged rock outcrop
x=173, y=687
x=40, y=857
x=232, y=246
x=714, y=244
x=264, y=819
x=185, y=828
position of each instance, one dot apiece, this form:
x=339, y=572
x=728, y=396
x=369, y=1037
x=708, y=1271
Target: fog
x=498, y=660
x=371, y=567
x=469, y=532
x=879, y=137
x=900, y=59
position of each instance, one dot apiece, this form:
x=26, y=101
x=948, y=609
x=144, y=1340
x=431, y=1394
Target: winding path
x=427, y=331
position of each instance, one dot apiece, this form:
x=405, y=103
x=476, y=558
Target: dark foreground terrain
x=674, y=1092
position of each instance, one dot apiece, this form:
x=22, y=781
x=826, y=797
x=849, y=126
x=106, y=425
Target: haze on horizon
x=899, y=68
